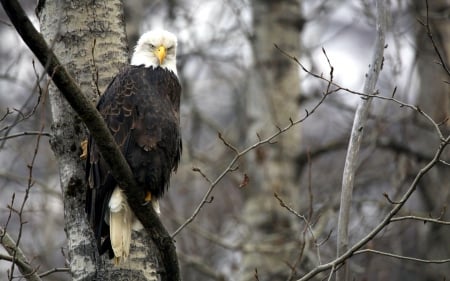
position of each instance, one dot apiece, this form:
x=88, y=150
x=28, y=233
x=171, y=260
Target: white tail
x=120, y=220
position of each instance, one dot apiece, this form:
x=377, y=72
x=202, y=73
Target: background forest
x=270, y=91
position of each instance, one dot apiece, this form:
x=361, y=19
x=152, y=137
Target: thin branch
x=198, y=170
x=232, y=164
x=22, y=116
x=27, y=133
x=400, y=256
x=430, y=35
x=422, y=219
x=386, y=220
x=5, y=23
x=331, y=273
x=54, y=270
x=338, y=88
x=287, y=207
x=17, y=256
x=227, y=143
x=356, y=135
x=307, y=228
x=98, y=129
x=14, y=251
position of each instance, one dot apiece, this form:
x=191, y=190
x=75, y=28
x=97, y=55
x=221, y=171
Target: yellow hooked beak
x=161, y=54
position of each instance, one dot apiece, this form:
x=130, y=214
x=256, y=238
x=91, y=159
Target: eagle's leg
x=84, y=145
x=155, y=202
x=148, y=197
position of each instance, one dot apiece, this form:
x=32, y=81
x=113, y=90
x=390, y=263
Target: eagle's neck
x=149, y=60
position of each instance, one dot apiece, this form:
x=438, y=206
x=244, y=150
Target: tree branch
x=430, y=35
x=422, y=219
x=17, y=257
x=26, y=133
x=400, y=256
x=98, y=129
x=354, y=145
x=387, y=219
x=239, y=154
x=54, y=270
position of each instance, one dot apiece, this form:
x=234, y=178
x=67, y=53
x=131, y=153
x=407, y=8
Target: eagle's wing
x=141, y=109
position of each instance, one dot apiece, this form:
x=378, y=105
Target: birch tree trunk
x=272, y=101
x=89, y=39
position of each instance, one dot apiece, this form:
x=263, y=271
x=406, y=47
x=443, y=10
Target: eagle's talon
x=148, y=196
x=84, y=150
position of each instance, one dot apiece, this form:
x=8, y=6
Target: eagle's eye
x=151, y=46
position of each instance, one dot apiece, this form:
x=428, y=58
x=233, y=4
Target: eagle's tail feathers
x=155, y=204
x=120, y=220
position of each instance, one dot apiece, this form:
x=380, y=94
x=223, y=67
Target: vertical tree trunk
x=89, y=39
x=272, y=101
x=434, y=99
x=433, y=95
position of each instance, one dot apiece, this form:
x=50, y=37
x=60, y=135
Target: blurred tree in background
x=258, y=208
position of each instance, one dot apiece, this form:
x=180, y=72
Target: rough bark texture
x=272, y=101
x=89, y=39
x=433, y=98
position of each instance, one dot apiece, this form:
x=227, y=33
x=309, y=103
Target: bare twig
x=5, y=23
x=17, y=257
x=337, y=88
x=239, y=154
x=21, y=114
x=256, y=274
x=363, y=251
x=287, y=207
x=54, y=270
x=386, y=220
x=14, y=251
x=198, y=170
x=227, y=143
x=357, y=131
x=308, y=228
x=27, y=133
x=430, y=35
x=422, y=219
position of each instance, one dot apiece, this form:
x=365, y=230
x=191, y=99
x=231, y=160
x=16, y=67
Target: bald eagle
x=141, y=107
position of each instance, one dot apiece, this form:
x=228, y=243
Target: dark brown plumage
x=141, y=108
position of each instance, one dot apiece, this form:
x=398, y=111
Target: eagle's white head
x=156, y=48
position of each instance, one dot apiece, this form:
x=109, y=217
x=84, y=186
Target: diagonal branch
x=387, y=219
x=17, y=257
x=239, y=154
x=354, y=145
x=98, y=129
